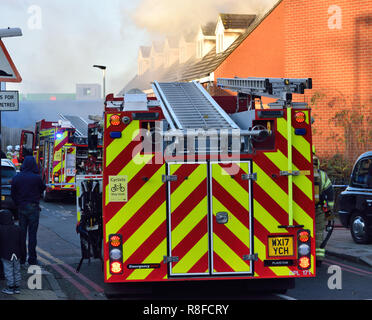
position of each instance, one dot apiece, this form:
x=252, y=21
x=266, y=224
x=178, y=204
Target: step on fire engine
x=209, y=188
x=61, y=152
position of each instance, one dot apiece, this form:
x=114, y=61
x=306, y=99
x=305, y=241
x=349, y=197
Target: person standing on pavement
x=10, y=252
x=26, y=190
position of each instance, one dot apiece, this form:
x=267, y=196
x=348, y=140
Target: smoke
x=59, y=50
x=62, y=40
x=173, y=17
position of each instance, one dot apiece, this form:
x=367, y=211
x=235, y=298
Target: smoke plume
x=172, y=17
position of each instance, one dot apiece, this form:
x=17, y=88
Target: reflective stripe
x=118, y=145
x=320, y=252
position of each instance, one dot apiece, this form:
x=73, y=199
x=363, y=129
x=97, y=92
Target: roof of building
x=172, y=42
x=145, y=51
x=236, y=21
x=209, y=29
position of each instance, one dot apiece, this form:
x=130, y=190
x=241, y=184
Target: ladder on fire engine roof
x=187, y=105
x=277, y=88
x=80, y=125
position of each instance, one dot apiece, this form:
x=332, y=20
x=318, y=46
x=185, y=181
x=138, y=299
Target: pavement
x=341, y=245
x=30, y=289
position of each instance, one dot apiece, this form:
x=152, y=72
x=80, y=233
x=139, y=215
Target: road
x=59, y=253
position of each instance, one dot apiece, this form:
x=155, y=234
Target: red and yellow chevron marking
x=271, y=193
x=193, y=234
x=57, y=153
x=189, y=219
x=68, y=179
x=231, y=241
x=142, y=218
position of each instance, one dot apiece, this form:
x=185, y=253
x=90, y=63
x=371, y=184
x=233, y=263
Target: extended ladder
x=187, y=105
x=278, y=88
x=80, y=125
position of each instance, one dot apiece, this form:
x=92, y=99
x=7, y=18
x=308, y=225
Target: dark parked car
x=355, y=203
x=8, y=171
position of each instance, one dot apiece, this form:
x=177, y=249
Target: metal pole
x=2, y=87
x=104, y=84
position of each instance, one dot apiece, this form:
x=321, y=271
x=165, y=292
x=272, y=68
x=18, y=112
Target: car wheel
x=358, y=229
x=15, y=215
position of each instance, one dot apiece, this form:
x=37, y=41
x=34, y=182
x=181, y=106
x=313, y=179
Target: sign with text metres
x=9, y=101
x=8, y=71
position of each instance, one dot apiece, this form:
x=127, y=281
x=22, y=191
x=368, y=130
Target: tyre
x=15, y=215
x=358, y=229
x=46, y=196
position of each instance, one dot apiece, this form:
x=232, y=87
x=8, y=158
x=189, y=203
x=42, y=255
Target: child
x=10, y=251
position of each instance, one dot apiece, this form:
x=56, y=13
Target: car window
x=7, y=172
x=362, y=175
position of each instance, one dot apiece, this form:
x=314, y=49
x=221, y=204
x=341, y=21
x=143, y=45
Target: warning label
x=118, y=188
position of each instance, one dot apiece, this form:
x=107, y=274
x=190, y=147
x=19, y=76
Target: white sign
x=8, y=71
x=9, y=101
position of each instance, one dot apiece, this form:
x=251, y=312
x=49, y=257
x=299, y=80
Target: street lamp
x=10, y=32
x=103, y=68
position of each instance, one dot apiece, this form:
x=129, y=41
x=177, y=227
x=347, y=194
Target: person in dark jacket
x=10, y=251
x=27, y=187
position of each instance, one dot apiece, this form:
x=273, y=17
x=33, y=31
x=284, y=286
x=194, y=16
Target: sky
x=63, y=39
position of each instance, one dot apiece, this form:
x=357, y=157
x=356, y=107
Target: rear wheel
x=46, y=196
x=358, y=229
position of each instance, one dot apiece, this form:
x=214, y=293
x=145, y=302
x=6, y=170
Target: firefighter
x=15, y=157
x=324, y=202
x=9, y=152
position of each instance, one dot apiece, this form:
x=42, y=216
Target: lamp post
x=103, y=68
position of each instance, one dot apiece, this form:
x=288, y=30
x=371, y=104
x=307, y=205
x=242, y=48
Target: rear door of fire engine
x=209, y=219
x=48, y=160
x=230, y=206
x=68, y=165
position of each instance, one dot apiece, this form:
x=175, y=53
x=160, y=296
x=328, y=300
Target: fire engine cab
x=203, y=188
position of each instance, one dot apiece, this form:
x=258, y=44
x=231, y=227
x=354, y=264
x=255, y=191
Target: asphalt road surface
x=59, y=254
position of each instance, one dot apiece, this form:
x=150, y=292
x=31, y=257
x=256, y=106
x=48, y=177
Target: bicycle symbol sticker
x=118, y=188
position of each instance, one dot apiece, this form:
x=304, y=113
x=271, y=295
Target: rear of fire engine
x=203, y=188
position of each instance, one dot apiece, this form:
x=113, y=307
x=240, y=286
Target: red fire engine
x=61, y=152
x=203, y=188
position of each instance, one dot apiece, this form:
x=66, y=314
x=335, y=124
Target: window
x=7, y=173
x=362, y=175
x=86, y=92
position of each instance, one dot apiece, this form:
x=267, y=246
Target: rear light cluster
x=300, y=117
x=116, y=253
x=56, y=177
x=115, y=120
x=304, y=249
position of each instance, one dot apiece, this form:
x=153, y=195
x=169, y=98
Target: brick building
x=329, y=41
